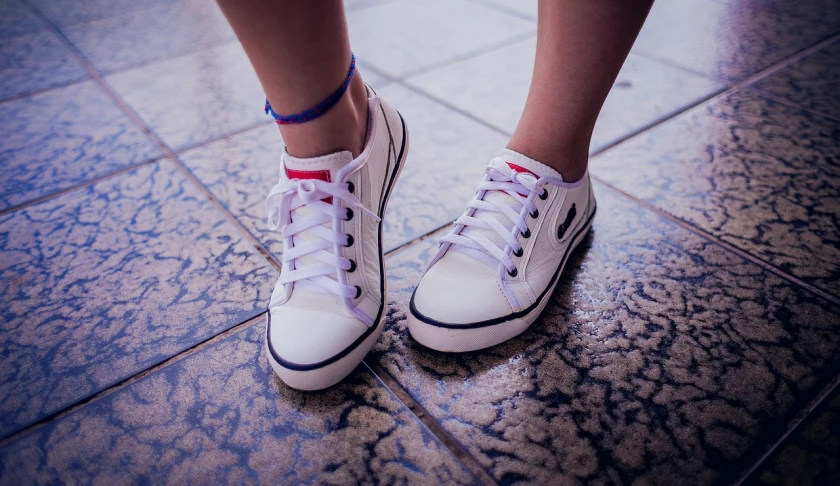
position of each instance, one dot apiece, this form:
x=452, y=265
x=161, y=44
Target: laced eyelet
x=544, y=195
x=358, y=292
x=535, y=213
x=349, y=215
x=514, y=273
x=352, y=267
x=518, y=253
x=527, y=233
x=349, y=240
x=351, y=187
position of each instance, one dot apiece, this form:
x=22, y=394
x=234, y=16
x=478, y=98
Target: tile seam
x=501, y=9
x=777, y=99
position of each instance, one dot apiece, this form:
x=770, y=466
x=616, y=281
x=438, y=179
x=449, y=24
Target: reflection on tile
x=16, y=19
x=220, y=416
x=68, y=12
x=147, y=35
x=447, y=156
x=207, y=95
x=644, y=91
x=660, y=359
x=105, y=281
x=34, y=62
x=760, y=175
x=728, y=42
x=811, y=455
x=54, y=140
x=405, y=36
x=240, y=171
x=810, y=83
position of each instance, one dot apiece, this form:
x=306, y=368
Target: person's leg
x=300, y=51
x=581, y=46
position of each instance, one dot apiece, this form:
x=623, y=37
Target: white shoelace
x=481, y=211
x=305, y=199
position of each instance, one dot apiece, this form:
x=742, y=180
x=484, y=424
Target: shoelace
x=324, y=243
x=522, y=189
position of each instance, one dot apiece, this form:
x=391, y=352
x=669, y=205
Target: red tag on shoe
x=521, y=169
x=321, y=175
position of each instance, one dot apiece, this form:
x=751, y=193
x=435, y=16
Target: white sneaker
x=328, y=306
x=496, y=270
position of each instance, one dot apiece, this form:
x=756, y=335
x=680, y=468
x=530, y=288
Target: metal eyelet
x=514, y=273
x=352, y=267
x=358, y=292
x=349, y=214
x=527, y=233
x=518, y=253
x=544, y=195
x=349, y=240
x=351, y=187
x=535, y=213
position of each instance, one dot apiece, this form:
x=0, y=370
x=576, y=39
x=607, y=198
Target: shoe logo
x=567, y=223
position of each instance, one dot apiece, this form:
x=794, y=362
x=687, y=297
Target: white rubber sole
x=455, y=340
x=330, y=374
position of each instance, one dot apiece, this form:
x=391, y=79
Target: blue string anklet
x=320, y=108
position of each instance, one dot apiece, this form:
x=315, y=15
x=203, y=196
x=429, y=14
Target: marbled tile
x=68, y=12
x=103, y=282
x=35, y=62
x=821, y=12
x=660, y=359
x=405, y=36
x=810, y=83
x=17, y=19
x=54, y=140
x=220, y=416
x=757, y=174
x=811, y=455
x=142, y=36
x=523, y=8
x=726, y=41
x=494, y=86
x=196, y=98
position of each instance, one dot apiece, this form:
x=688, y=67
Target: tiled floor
x=696, y=338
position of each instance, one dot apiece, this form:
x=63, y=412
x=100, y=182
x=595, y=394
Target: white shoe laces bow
x=323, y=242
x=522, y=188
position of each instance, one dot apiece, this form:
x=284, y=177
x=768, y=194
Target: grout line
x=727, y=246
x=778, y=99
x=504, y=10
x=784, y=63
x=47, y=89
x=417, y=239
x=132, y=379
x=454, y=108
x=455, y=447
x=797, y=425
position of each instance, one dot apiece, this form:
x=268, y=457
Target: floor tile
x=659, y=359
x=757, y=174
x=446, y=159
x=645, y=90
x=821, y=12
x=726, y=41
x=404, y=36
x=810, y=83
x=811, y=455
x=220, y=416
x=68, y=12
x=209, y=94
x=35, y=62
x=147, y=35
x=17, y=19
x=54, y=140
x=523, y=8
x=103, y=282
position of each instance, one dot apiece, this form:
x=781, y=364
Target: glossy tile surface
x=821, y=12
x=208, y=95
x=105, y=281
x=142, y=36
x=730, y=42
x=810, y=83
x=494, y=86
x=220, y=416
x=35, y=62
x=63, y=137
x=522, y=8
x=69, y=12
x=661, y=358
x=403, y=36
x=758, y=174
x=811, y=455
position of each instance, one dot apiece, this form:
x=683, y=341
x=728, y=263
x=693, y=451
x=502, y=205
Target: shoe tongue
x=522, y=163
x=323, y=168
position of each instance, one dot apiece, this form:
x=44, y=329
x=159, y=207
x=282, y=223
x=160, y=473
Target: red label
x=520, y=169
x=321, y=175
